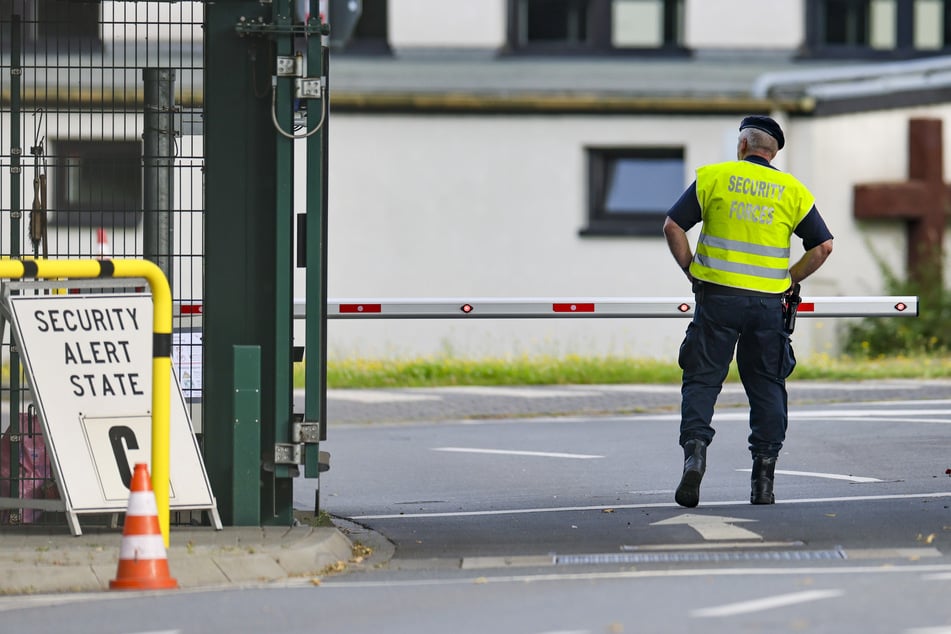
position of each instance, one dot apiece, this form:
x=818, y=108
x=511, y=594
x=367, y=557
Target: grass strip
x=581, y=370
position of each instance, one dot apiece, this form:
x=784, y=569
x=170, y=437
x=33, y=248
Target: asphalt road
x=851, y=477
x=517, y=521
x=863, y=496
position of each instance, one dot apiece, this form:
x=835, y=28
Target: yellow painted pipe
x=161, y=352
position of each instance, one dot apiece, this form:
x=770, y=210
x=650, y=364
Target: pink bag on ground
x=35, y=476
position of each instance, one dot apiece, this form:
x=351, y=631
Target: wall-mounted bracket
x=260, y=28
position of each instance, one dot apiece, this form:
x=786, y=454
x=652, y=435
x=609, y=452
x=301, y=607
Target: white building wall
x=744, y=24
x=447, y=24
x=833, y=154
x=470, y=206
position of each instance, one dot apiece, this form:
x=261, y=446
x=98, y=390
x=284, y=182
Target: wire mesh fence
x=101, y=155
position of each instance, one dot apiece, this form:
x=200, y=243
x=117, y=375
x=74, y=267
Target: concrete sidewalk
x=39, y=560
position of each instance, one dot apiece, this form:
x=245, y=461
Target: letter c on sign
x=116, y=436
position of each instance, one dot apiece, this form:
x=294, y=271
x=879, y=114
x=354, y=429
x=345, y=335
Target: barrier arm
x=161, y=347
x=585, y=307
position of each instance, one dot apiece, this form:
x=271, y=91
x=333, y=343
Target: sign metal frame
x=93, y=443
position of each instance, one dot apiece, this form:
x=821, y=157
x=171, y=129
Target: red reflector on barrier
x=190, y=309
x=901, y=306
x=807, y=307
x=466, y=308
x=683, y=308
x=573, y=308
x=361, y=308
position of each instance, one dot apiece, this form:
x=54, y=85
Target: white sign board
x=89, y=361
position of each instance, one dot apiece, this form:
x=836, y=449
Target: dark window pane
x=556, y=21
x=68, y=19
x=96, y=183
x=642, y=185
x=371, y=32
x=548, y=20
x=631, y=189
x=846, y=22
x=373, y=21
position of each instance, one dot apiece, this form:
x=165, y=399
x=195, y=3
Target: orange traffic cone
x=142, y=560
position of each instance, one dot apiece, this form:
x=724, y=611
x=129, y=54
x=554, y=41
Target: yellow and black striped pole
x=161, y=346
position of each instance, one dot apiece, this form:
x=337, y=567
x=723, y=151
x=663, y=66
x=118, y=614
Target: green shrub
x=928, y=333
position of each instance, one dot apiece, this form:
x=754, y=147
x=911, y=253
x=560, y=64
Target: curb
x=197, y=558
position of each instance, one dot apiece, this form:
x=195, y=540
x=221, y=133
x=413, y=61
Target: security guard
x=740, y=273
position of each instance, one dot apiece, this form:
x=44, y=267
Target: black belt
x=707, y=288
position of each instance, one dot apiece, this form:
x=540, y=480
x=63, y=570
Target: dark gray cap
x=767, y=125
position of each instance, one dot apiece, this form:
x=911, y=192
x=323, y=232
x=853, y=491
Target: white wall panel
x=448, y=24
x=745, y=24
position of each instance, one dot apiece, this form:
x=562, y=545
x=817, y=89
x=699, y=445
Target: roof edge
x=548, y=103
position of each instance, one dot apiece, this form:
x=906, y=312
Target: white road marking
x=746, y=545
x=515, y=392
x=870, y=412
x=511, y=452
x=712, y=527
x=830, y=476
x=860, y=415
x=768, y=603
x=649, y=574
x=652, y=505
x=889, y=419
x=378, y=396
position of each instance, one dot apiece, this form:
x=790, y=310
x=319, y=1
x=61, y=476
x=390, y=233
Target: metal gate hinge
x=305, y=432
x=287, y=453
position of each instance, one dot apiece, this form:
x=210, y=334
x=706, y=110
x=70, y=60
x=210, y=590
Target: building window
x=631, y=189
x=558, y=22
x=95, y=183
x=57, y=24
x=889, y=29
x=595, y=26
x=371, y=33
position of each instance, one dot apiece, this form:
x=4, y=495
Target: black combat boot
x=695, y=464
x=761, y=481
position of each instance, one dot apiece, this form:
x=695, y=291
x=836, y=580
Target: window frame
x=599, y=22
x=601, y=222
x=62, y=212
x=37, y=28
x=366, y=40
x=816, y=47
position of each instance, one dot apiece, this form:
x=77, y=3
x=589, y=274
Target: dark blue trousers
x=753, y=327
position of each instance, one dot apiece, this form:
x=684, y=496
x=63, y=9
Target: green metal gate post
x=16, y=177
x=249, y=255
x=278, y=482
x=240, y=239
x=315, y=329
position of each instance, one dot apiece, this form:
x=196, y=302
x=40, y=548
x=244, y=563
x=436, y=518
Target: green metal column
x=315, y=406
x=240, y=242
x=278, y=482
x=249, y=254
x=16, y=177
x=245, y=476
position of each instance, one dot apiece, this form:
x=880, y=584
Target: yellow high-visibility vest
x=749, y=214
